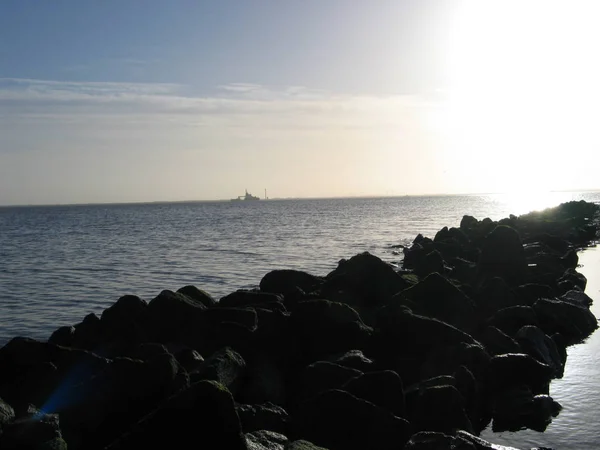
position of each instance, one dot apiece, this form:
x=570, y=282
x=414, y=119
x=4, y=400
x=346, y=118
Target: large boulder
x=517, y=408
x=512, y=319
x=204, y=414
x=266, y=416
x=321, y=376
x=287, y=282
x=534, y=342
x=318, y=328
x=172, y=313
x=502, y=255
x=33, y=430
x=225, y=366
x=265, y=440
x=198, y=295
x=517, y=369
x=573, y=322
x=436, y=297
x=338, y=420
x=241, y=298
x=370, y=280
x=383, y=388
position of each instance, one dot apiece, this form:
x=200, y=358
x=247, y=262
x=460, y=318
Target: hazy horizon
x=141, y=102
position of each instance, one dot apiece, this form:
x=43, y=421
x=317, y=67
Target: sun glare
x=523, y=90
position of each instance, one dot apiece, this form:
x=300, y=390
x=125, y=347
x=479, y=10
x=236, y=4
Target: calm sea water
x=59, y=263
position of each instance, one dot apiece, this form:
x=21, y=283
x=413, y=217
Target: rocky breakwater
x=471, y=330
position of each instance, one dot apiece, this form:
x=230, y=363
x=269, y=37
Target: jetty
x=470, y=331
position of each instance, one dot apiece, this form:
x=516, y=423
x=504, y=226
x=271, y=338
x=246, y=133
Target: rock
x=265, y=440
x=528, y=294
x=432, y=440
x=383, y=388
x=577, y=298
x=266, y=416
x=198, y=295
x=338, y=420
x=302, y=445
x=437, y=408
x=534, y=342
x=497, y=342
x=572, y=322
x=63, y=336
x=430, y=263
x=321, y=376
x=204, y=414
x=34, y=430
x=318, y=328
x=127, y=320
x=517, y=369
x=265, y=381
x=147, y=351
x=226, y=366
x=510, y=320
x=502, y=255
x=367, y=277
x=243, y=298
x=517, y=408
x=285, y=282
x=436, y=297
x=494, y=295
x=7, y=414
x=354, y=359
x=172, y=313
x=88, y=333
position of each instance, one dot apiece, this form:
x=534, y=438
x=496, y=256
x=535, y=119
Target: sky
x=134, y=101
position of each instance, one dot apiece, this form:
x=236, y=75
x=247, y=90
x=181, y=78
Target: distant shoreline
x=274, y=199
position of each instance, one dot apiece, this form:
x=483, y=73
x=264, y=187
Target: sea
x=60, y=263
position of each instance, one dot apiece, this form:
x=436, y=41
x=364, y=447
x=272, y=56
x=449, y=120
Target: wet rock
x=497, y=342
x=204, y=413
x=354, y=359
x=266, y=416
x=510, y=320
x=242, y=298
x=437, y=408
x=383, y=388
x=528, y=294
x=431, y=440
x=33, y=430
x=318, y=328
x=572, y=322
x=502, y=255
x=265, y=440
x=285, y=282
x=371, y=281
x=534, y=342
x=436, y=297
x=517, y=408
x=577, y=298
x=226, y=366
x=516, y=369
x=321, y=376
x=198, y=295
x=338, y=420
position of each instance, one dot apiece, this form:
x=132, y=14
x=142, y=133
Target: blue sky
x=153, y=100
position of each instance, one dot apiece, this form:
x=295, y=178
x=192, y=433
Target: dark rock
x=198, y=295
x=493, y=296
x=127, y=320
x=497, y=342
x=577, y=298
x=572, y=280
x=383, y=388
x=266, y=416
x=572, y=322
x=302, y=445
x=371, y=281
x=63, y=336
x=204, y=414
x=7, y=414
x=265, y=440
x=242, y=298
x=512, y=319
x=516, y=369
x=528, y=294
x=354, y=359
x=431, y=262
x=147, y=351
x=318, y=328
x=502, y=255
x=436, y=297
x=265, y=381
x=431, y=440
x=517, y=408
x=321, y=376
x=338, y=420
x=88, y=333
x=189, y=359
x=285, y=282
x=437, y=408
x=534, y=342
x=226, y=366
x=34, y=430
x=171, y=313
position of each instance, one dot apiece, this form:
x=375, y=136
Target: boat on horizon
x=245, y=198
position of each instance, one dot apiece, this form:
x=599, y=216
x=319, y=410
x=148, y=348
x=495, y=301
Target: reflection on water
x=578, y=424
x=526, y=201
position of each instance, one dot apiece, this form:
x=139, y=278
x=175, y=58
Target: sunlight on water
x=526, y=201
